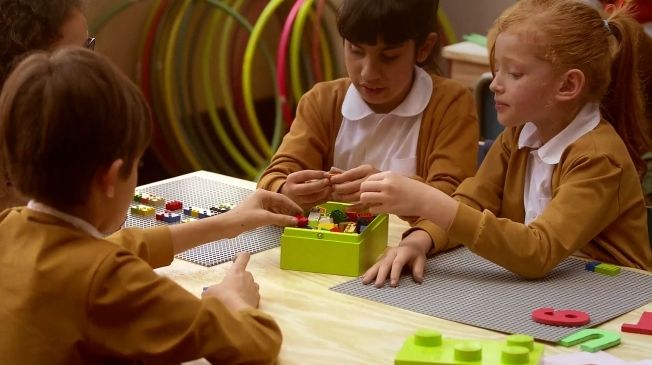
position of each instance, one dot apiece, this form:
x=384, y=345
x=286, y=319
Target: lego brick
x=428, y=347
x=143, y=210
x=592, y=339
x=607, y=269
x=590, y=266
x=338, y=216
x=644, y=325
x=173, y=205
x=567, y=317
x=337, y=253
x=302, y=221
x=149, y=199
x=205, y=213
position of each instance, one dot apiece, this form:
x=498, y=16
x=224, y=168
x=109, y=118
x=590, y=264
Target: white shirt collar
x=76, y=222
x=585, y=121
x=355, y=108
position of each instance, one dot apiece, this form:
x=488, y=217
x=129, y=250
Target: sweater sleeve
x=449, y=149
x=154, y=245
x=587, y=196
x=309, y=143
x=133, y=313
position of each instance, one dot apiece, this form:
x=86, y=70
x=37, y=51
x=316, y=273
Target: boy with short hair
x=73, y=129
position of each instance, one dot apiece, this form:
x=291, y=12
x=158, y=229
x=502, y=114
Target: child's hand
x=410, y=252
x=346, y=185
x=390, y=192
x=264, y=207
x=238, y=290
x=307, y=188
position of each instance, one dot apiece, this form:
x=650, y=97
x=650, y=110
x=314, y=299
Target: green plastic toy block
x=347, y=254
x=428, y=347
x=594, y=339
x=608, y=269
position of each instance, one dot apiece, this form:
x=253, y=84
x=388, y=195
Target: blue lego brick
x=590, y=266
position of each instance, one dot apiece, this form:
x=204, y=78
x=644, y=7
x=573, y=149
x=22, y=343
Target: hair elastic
x=606, y=25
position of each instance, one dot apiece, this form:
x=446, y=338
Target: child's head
x=66, y=118
x=383, y=41
x=584, y=51
x=27, y=25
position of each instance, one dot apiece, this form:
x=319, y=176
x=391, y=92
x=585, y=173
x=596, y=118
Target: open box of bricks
x=330, y=239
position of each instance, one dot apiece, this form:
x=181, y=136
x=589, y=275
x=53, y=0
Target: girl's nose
x=370, y=70
x=495, y=85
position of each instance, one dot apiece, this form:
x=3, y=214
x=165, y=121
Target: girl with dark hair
x=389, y=114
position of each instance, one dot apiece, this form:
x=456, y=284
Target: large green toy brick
x=348, y=254
x=427, y=347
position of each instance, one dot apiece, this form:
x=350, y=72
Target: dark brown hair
x=392, y=21
x=604, y=47
x=66, y=116
x=27, y=25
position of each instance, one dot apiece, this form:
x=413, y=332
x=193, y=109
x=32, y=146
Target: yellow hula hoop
x=445, y=24
x=196, y=137
x=256, y=33
x=169, y=97
x=223, y=78
x=212, y=108
x=295, y=48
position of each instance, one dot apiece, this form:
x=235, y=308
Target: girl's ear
x=572, y=84
x=426, y=47
x=109, y=178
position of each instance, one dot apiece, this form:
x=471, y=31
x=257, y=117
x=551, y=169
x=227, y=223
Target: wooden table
x=324, y=327
x=468, y=61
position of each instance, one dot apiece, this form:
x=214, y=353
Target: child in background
x=559, y=180
x=390, y=114
x=28, y=25
x=73, y=129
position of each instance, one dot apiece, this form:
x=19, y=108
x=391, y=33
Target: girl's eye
x=389, y=57
x=515, y=75
x=355, y=50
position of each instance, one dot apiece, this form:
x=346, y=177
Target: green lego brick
x=337, y=253
x=607, y=269
x=428, y=347
x=594, y=339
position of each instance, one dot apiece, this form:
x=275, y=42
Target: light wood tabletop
x=324, y=327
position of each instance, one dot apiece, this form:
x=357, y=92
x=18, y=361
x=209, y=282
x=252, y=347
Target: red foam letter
x=644, y=325
x=567, y=318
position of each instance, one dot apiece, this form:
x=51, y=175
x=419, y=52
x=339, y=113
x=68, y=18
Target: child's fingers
x=383, y=272
x=358, y=207
x=335, y=170
x=354, y=197
x=240, y=263
x=282, y=204
x=282, y=220
x=378, y=176
x=303, y=176
x=397, y=269
x=310, y=187
x=372, y=198
x=371, y=186
x=418, y=269
x=369, y=276
x=357, y=173
x=348, y=187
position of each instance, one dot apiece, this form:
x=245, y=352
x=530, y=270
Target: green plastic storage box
x=348, y=254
